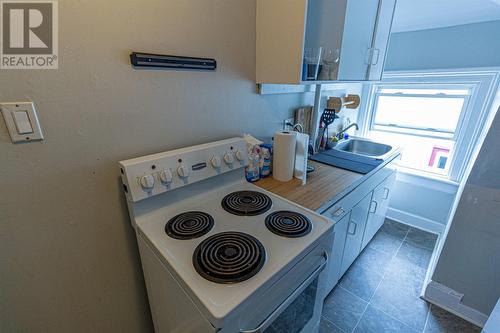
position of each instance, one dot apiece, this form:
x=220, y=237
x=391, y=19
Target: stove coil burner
x=189, y=225
x=249, y=203
x=288, y=224
x=229, y=257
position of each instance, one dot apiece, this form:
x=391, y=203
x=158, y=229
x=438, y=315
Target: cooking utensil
x=327, y=118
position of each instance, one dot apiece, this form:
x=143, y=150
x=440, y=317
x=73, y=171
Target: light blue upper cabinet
x=356, y=50
x=381, y=37
x=317, y=41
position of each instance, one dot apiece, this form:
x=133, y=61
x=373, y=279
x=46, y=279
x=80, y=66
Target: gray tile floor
x=380, y=291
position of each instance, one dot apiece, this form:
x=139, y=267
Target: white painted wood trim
x=270, y=89
x=443, y=71
x=416, y=221
x=450, y=300
x=433, y=183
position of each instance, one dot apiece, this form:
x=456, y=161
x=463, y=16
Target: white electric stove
x=220, y=254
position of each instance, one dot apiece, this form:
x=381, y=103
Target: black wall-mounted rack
x=148, y=60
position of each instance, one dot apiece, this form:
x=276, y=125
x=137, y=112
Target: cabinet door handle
x=373, y=205
x=349, y=229
x=376, y=55
x=372, y=53
x=338, y=212
x=386, y=193
x=368, y=56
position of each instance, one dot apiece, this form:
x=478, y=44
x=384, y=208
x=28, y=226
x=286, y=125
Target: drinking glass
x=330, y=60
x=312, y=63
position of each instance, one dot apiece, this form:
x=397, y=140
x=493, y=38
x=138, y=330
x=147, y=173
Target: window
x=424, y=120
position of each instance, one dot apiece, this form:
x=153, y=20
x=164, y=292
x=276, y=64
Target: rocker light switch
x=22, y=121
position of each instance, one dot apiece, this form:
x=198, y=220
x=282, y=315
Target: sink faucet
x=339, y=134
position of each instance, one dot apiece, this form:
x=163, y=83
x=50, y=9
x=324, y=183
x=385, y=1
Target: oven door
x=301, y=310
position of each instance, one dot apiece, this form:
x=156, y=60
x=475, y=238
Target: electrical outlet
x=288, y=121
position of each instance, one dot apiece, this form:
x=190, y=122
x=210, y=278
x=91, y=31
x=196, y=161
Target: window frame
x=378, y=94
x=482, y=85
x=428, y=132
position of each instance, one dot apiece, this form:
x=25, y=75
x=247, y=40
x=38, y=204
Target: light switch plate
x=8, y=110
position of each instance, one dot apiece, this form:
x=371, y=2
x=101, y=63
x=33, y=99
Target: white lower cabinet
x=355, y=230
x=378, y=208
x=358, y=216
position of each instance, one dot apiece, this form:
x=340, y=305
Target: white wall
x=461, y=46
x=421, y=202
x=469, y=261
x=69, y=261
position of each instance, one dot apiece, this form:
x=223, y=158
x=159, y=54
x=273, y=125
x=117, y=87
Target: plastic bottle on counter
x=265, y=162
x=252, y=171
x=269, y=147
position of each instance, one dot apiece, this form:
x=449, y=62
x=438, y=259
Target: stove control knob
x=215, y=161
x=166, y=176
x=183, y=171
x=239, y=155
x=229, y=158
x=147, y=182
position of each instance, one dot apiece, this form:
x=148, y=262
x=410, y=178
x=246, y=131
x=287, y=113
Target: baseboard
x=450, y=300
x=415, y=221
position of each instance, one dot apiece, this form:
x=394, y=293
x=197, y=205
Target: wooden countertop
x=323, y=184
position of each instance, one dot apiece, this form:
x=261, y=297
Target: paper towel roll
x=284, y=155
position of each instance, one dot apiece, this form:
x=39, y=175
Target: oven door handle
x=290, y=298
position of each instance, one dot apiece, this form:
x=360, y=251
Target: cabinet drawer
x=339, y=209
x=342, y=207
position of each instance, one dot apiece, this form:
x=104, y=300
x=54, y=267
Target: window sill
x=425, y=179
